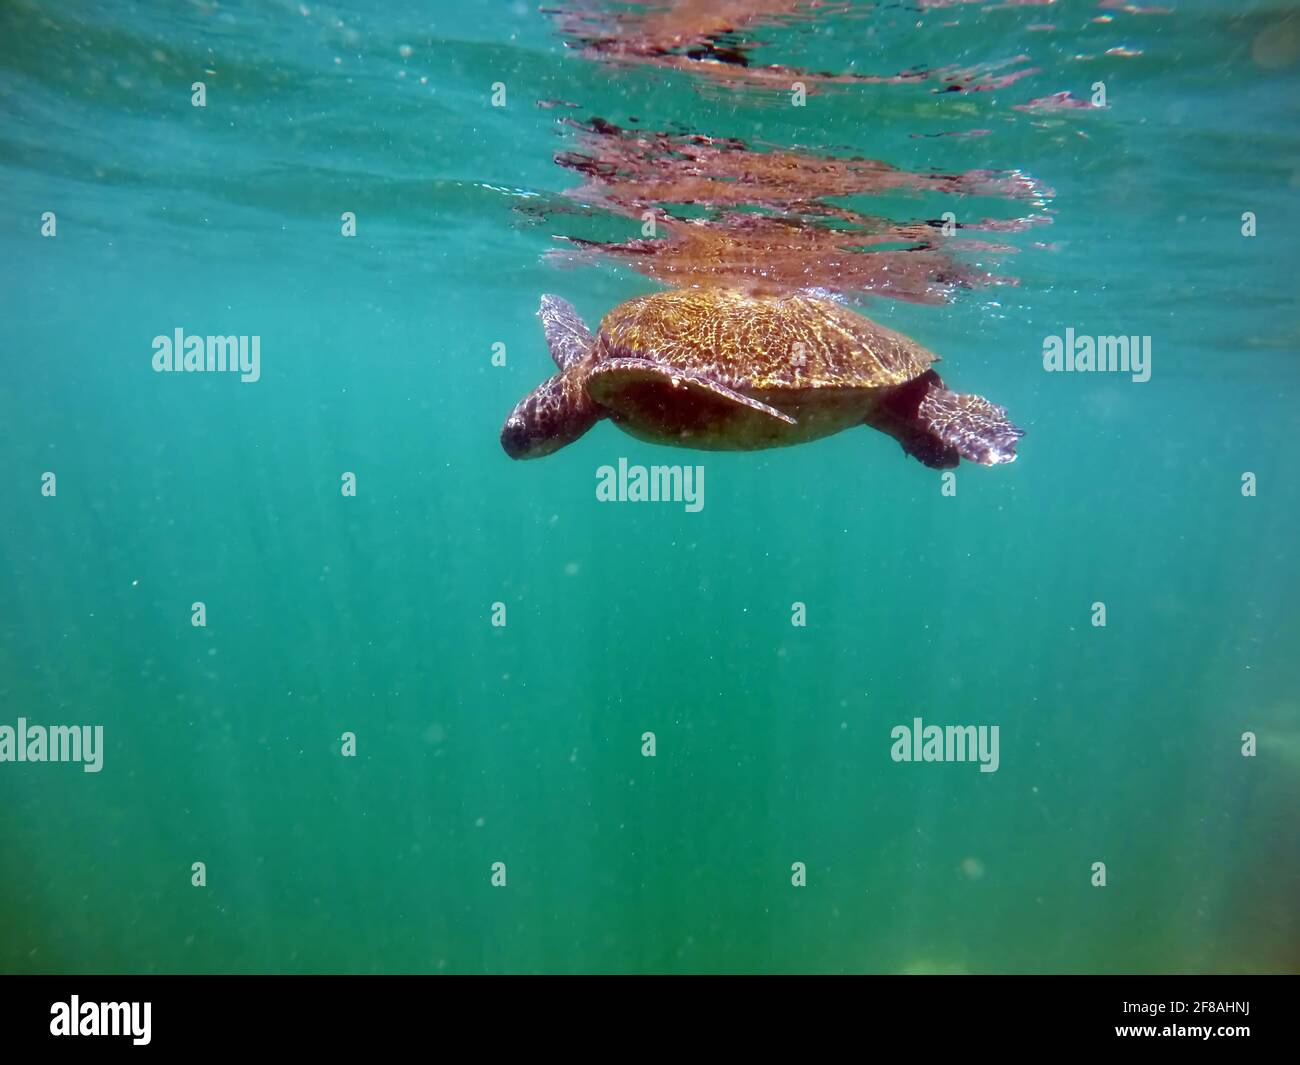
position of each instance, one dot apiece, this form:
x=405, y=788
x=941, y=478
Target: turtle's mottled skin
x=722, y=370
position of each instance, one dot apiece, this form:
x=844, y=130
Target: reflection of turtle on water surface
x=724, y=371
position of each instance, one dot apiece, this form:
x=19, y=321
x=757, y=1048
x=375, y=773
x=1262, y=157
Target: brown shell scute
x=761, y=342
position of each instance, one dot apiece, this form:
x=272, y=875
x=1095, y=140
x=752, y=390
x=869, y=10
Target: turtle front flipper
x=941, y=427
x=668, y=405
x=567, y=334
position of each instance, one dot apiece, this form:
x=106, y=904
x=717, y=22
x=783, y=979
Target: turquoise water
x=523, y=743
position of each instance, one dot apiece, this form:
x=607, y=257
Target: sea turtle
x=722, y=370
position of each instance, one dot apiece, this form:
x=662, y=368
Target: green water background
x=523, y=744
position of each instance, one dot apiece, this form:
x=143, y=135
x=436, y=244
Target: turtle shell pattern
x=759, y=343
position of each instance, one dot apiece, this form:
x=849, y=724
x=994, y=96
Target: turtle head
x=554, y=414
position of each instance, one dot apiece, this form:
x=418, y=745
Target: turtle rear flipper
x=567, y=334
x=976, y=429
x=941, y=427
x=665, y=401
